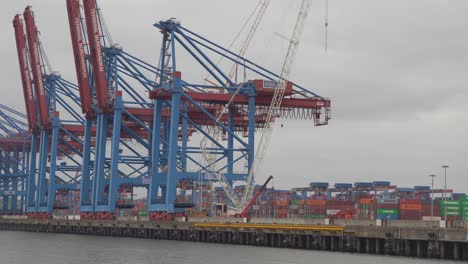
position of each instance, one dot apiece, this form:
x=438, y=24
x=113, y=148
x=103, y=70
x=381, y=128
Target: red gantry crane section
x=97, y=58
x=25, y=72
x=35, y=60
x=78, y=43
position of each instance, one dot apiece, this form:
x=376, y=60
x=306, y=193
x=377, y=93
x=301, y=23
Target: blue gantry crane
x=143, y=125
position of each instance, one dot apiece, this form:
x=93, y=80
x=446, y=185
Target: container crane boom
x=97, y=57
x=277, y=97
x=78, y=43
x=25, y=72
x=245, y=212
x=35, y=59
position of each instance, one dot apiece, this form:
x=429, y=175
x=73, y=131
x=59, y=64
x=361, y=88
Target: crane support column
x=53, y=163
x=182, y=157
x=85, y=190
x=41, y=177
x=114, y=179
x=155, y=155
x=99, y=160
x=172, y=174
x=31, y=182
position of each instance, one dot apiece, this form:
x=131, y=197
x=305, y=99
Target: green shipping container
x=450, y=213
x=143, y=213
x=387, y=211
x=314, y=216
x=450, y=203
x=296, y=202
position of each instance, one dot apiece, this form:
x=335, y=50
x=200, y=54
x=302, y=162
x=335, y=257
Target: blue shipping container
x=422, y=188
x=363, y=184
x=404, y=189
x=387, y=217
x=319, y=184
x=381, y=183
x=343, y=185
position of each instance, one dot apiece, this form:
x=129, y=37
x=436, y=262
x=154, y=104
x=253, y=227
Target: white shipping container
x=431, y=218
x=332, y=212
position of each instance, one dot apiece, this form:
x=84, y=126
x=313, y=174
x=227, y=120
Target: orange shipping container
x=315, y=202
x=366, y=201
x=410, y=207
x=282, y=202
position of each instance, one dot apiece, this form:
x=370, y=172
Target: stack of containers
x=294, y=208
x=422, y=192
x=426, y=208
x=387, y=209
x=336, y=206
x=220, y=195
x=410, y=209
x=464, y=208
x=315, y=208
x=366, y=208
x=280, y=203
x=458, y=196
x=450, y=209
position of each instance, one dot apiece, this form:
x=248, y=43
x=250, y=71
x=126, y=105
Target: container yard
x=130, y=147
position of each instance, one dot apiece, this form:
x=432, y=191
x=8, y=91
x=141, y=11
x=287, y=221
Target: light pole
x=432, y=194
x=445, y=190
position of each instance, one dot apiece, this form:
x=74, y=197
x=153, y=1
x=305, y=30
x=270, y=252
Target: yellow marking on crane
x=333, y=228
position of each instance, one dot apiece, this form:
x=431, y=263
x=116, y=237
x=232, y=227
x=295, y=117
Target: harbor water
x=39, y=248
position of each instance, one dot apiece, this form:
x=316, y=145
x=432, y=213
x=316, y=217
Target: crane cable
x=206, y=79
x=326, y=25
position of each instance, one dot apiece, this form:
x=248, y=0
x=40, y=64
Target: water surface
x=43, y=248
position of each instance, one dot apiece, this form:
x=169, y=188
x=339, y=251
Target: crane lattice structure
x=15, y=144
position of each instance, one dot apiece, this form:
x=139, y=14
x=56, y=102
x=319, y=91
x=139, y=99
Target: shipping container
x=410, y=201
x=449, y=203
x=363, y=184
x=319, y=184
x=387, y=206
x=422, y=188
x=316, y=202
x=388, y=216
x=343, y=185
x=387, y=211
x=410, y=214
x=366, y=201
x=387, y=201
x=314, y=216
x=414, y=207
x=381, y=183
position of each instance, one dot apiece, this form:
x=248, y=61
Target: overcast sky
x=395, y=70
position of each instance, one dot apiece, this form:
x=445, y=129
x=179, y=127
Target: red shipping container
x=410, y=215
x=426, y=210
x=416, y=207
x=410, y=201
x=387, y=206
